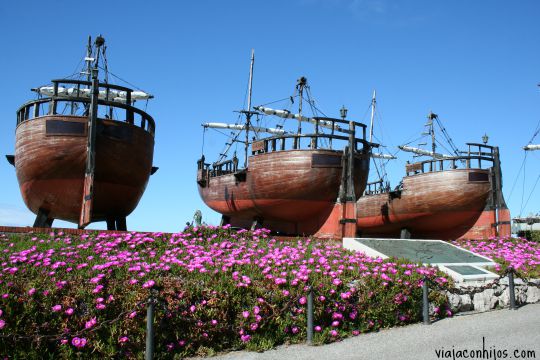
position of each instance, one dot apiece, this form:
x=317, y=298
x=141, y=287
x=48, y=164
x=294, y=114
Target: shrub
x=217, y=289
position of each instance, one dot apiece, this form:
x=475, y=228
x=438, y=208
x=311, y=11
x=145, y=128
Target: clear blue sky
x=475, y=63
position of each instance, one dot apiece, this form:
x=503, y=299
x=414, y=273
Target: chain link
x=471, y=290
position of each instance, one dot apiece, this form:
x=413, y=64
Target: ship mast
x=248, y=111
x=373, y=104
x=301, y=84
x=431, y=118
x=88, y=185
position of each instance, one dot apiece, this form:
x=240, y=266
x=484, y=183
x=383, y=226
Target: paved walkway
x=502, y=329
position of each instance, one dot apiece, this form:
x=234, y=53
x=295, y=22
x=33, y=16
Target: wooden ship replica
x=444, y=197
x=83, y=151
x=291, y=181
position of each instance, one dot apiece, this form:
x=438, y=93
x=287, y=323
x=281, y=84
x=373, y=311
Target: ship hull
x=439, y=205
x=50, y=161
x=288, y=189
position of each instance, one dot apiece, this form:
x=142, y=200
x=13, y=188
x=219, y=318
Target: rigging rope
x=522, y=192
x=517, y=176
x=202, y=147
x=534, y=187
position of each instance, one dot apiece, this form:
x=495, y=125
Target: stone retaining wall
x=496, y=297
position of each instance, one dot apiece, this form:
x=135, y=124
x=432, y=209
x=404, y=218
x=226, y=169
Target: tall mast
x=248, y=111
x=88, y=186
x=300, y=86
x=89, y=59
x=431, y=118
x=373, y=105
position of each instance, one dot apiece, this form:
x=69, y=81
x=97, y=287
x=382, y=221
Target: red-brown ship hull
x=292, y=191
x=51, y=165
x=440, y=205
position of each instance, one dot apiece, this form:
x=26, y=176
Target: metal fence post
x=511, y=288
x=149, y=353
x=310, y=316
x=425, y=301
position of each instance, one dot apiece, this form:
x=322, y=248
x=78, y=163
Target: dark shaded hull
x=284, y=188
x=51, y=162
x=438, y=205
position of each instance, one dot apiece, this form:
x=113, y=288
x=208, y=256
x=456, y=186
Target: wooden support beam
x=88, y=190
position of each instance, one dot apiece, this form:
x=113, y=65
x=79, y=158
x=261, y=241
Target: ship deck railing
x=288, y=141
x=376, y=187
x=49, y=105
x=294, y=142
x=478, y=156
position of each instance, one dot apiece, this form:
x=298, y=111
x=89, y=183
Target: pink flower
x=31, y=291
x=132, y=314
x=245, y=314
x=123, y=339
x=2, y=324
x=57, y=308
x=334, y=333
x=69, y=311
x=318, y=328
x=78, y=342
x=302, y=300
x=149, y=284
x=245, y=338
x=90, y=323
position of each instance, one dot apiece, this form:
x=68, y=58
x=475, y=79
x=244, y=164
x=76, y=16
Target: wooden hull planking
x=50, y=166
x=441, y=205
x=283, y=187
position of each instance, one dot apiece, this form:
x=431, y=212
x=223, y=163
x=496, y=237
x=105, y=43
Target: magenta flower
x=57, y=308
x=245, y=338
x=2, y=324
x=149, y=284
x=302, y=300
x=78, y=342
x=245, y=314
x=69, y=311
x=90, y=323
x=123, y=339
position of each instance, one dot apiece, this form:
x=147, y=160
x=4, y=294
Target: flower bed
x=520, y=253
x=217, y=289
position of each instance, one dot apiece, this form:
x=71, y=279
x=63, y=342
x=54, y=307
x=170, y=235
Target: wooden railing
x=376, y=187
x=34, y=109
x=289, y=141
x=480, y=158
